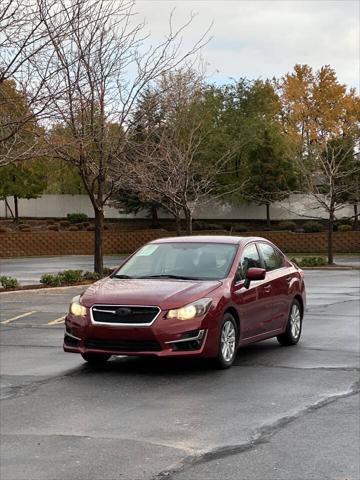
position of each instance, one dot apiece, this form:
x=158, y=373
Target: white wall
x=59, y=205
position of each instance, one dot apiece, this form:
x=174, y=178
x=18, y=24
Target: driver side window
x=249, y=259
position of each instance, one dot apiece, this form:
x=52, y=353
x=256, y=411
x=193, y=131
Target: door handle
x=267, y=288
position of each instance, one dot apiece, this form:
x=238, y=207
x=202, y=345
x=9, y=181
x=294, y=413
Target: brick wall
x=81, y=243
x=344, y=242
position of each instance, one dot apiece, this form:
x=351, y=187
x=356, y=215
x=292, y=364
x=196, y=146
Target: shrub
x=295, y=260
x=312, y=227
x=77, y=217
x=310, y=261
x=344, y=221
x=107, y=271
x=64, y=223
x=213, y=226
x=50, y=279
x=54, y=228
x=70, y=276
x=228, y=226
x=287, y=225
x=344, y=228
x=238, y=227
x=9, y=282
x=200, y=225
x=23, y=227
x=90, y=276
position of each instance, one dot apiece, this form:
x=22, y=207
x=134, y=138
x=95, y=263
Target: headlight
x=195, y=309
x=76, y=309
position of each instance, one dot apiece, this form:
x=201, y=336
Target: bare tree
x=23, y=98
x=169, y=172
x=99, y=67
x=171, y=164
x=328, y=177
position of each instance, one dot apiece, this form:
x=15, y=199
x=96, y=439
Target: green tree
x=262, y=153
x=63, y=178
x=270, y=170
x=22, y=180
x=147, y=120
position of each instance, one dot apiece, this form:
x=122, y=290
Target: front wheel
x=227, y=342
x=292, y=334
x=95, y=359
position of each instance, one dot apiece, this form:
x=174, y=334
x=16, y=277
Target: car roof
x=228, y=239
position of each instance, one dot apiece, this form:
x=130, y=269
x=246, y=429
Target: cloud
x=265, y=38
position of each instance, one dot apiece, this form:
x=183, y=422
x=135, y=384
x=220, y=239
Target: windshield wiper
x=176, y=277
x=123, y=276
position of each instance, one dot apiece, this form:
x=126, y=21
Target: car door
x=278, y=272
x=253, y=304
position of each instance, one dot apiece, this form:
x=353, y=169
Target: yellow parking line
x=18, y=316
x=57, y=321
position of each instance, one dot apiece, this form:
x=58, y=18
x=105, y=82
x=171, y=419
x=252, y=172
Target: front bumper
x=163, y=338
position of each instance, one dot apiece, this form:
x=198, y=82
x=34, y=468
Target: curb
x=332, y=267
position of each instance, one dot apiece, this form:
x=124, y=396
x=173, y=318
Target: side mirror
x=254, y=274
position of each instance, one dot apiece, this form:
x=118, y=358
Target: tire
x=228, y=339
x=95, y=359
x=292, y=334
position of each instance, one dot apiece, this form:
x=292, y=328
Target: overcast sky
x=263, y=38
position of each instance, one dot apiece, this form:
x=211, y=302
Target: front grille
x=123, y=345
x=124, y=314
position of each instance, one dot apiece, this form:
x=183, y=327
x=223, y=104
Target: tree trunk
x=16, y=209
x=8, y=208
x=268, y=223
x=98, y=247
x=154, y=215
x=188, y=221
x=356, y=217
x=178, y=225
x=330, y=238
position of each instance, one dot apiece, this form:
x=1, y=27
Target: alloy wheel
x=228, y=340
x=295, y=321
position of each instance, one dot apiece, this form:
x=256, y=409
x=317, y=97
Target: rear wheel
x=95, y=359
x=292, y=334
x=227, y=342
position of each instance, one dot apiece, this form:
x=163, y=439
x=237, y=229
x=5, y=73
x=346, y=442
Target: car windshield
x=188, y=261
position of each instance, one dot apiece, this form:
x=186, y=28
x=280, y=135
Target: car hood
x=164, y=293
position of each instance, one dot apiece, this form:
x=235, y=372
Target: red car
x=200, y=296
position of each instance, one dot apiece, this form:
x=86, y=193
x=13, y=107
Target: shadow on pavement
x=153, y=366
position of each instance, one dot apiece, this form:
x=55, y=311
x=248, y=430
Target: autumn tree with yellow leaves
x=322, y=117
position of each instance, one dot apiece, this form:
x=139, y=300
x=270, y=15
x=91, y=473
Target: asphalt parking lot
x=279, y=413
x=28, y=270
